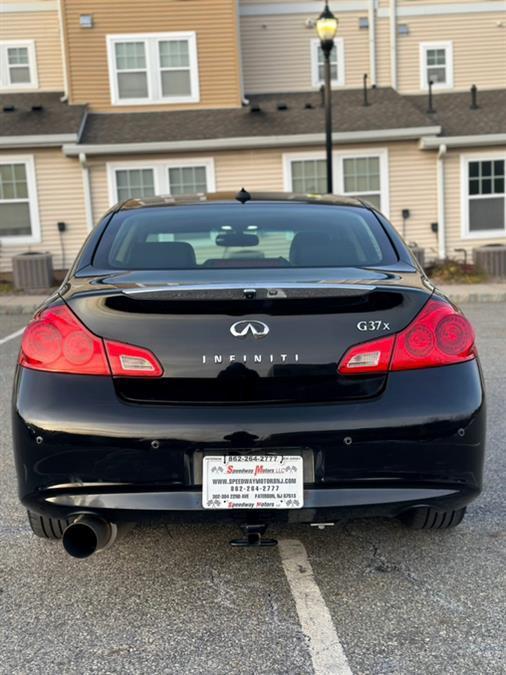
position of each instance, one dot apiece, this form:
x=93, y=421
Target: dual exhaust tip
x=88, y=534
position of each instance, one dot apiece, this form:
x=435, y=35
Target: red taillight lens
x=58, y=342
x=438, y=336
x=130, y=361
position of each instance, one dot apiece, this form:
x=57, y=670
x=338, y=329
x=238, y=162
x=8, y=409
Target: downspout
x=88, y=202
x=393, y=43
x=65, y=96
x=372, y=41
x=441, y=202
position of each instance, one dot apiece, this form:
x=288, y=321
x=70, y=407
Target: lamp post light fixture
x=326, y=28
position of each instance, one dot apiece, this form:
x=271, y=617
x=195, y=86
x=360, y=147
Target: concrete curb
x=479, y=293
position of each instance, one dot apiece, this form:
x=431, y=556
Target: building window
x=136, y=181
x=185, y=180
x=485, y=197
x=363, y=175
x=153, y=68
x=436, y=65
x=336, y=63
x=309, y=176
x=17, y=65
x=19, y=220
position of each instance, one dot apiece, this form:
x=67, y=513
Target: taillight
x=438, y=336
x=56, y=341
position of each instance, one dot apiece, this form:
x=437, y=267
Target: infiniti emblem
x=241, y=329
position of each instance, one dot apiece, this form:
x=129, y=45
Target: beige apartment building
x=107, y=99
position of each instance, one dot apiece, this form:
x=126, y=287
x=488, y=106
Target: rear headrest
x=319, y=249
x=162, y=254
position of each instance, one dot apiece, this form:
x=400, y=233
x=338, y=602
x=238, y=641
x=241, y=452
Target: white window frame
x=315, y=80
x=464, y=195
x=338, y=173
x=424, y=48
x=153, y=68
x=160, y=169
x=33, y=204
x=5, y=83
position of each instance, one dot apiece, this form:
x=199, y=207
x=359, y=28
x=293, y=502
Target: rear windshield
x=243, y=235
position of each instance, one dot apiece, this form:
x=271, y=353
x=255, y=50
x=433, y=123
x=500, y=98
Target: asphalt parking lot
x=178, y=599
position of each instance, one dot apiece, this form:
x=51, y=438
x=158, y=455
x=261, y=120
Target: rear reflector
x=438, y=336
x=56, y=341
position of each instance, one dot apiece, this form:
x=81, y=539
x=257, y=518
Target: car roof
x=236, y=197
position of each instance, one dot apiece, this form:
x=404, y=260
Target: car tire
x=45, y=527
x=427, y=518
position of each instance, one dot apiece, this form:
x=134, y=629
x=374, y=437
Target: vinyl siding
x=43, y=28
x=276, y=55
x=253, y=169
x=412, y=185
x=454, y=214
x=263, y=170
x=479, y=49
x=60, y=196
x=217, y=47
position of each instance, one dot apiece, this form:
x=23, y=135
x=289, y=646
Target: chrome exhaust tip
x=88, y=534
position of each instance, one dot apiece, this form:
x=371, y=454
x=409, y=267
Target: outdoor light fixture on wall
x=86, y=21
x=326, y=28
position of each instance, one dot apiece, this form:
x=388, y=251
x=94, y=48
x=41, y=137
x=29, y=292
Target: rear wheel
x=427, y=518
x=45, y=527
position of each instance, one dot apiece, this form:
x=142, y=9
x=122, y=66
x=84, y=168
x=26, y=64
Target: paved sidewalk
x=459, y=293
x=20, y=304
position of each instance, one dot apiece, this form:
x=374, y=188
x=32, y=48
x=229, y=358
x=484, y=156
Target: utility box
x=491, y=259
x=33, y=271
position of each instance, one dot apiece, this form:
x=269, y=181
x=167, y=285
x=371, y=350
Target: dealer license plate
x=253, y=482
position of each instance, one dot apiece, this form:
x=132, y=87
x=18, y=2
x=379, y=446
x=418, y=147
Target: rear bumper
x=78, y=447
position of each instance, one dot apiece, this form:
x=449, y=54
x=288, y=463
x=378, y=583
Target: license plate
x=253, y=482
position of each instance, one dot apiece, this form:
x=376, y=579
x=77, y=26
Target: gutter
x=433, y=143
x=39, y=141
x=372, y=41
x=441, y=201
x=393, y=44
x=61, y=23
x=88, y=199
x=246, y=142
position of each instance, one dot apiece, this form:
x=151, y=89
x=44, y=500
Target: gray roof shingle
x=303, y=115
x=279, y=115
x=53, y=117
x=454, y=114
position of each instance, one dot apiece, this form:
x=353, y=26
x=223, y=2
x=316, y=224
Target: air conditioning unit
x=33, y=271
x=491, y=259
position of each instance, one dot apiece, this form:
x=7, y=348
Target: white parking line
x=11, y=336
x=327, y=652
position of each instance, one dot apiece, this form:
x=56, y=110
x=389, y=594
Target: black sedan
x=256, y=358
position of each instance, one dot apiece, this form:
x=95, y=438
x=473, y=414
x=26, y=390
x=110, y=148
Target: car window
x=250, y=235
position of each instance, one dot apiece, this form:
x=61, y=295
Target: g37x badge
x=373, y=326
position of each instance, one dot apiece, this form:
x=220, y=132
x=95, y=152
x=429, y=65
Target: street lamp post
x=326, y=28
